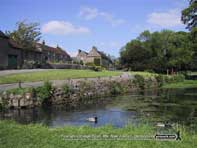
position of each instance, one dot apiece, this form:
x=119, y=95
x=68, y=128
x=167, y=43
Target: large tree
x=189, y=15
x=158, y=51
x=26, y=35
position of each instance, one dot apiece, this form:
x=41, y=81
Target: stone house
x=52, y=54
x=94, y=56
x=12, y=56
x=10, y=53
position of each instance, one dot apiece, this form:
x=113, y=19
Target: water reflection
x=152, y=106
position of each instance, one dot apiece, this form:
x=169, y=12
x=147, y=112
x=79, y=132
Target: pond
x=152, y=106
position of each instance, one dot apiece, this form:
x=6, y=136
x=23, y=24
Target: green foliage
x=19, y=91
x=44, y=92
x=159, y=51
x=3, y=103
x=26, y=35
x=97, y=61
x=189, y=15
x=135, y=56
x=116, y=88
x=139, y=81
x=184, y=84
x=66, y=89
x=31, y=64
x=95, y=67
x=179, y=78
x=160, y=80
x=163, y=79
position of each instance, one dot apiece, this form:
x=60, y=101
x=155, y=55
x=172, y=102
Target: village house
x=94, y=56
x=12, y=56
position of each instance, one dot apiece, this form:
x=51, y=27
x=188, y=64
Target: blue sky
x=80, y=24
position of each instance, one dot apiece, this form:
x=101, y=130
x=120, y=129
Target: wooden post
x=19, y=84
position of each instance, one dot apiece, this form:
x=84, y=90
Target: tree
x=189, y=16
x=134, y=56
x=159, y=51
x=26, y=35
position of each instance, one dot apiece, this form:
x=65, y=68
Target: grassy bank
x=55, y=75
x=184, y=84
x=13, y=135
x=143, y=73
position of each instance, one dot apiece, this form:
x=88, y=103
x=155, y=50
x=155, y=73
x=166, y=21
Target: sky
x=81, y=24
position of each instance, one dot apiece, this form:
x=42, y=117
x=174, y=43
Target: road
x=4, y=87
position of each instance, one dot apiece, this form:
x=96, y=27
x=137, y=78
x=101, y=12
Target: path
x=4, y=87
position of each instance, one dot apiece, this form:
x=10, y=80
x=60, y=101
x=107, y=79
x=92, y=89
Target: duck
x=163, y=125
x=92, y=119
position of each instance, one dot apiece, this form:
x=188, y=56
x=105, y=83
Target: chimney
x=94, y=48
x=79, y=50
x=43, y=42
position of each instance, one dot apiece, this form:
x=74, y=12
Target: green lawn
x=185, y=84
x=13, y=135
x=142, y=73
x=55, y=75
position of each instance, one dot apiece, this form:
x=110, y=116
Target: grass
x=19, y=91
x=184, y=84
x=55, y=75
x=13, y=135
x=143, y=73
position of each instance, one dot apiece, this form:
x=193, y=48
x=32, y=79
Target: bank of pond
x=144, y=111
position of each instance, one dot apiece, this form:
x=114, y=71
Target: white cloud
x=91, y=13
x=171, y=18
x=63, y=28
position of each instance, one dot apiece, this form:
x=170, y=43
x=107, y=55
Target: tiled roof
x=81, y=51
x=14, y=44
x=95, y=52
x=56, y=50
x=3, y=35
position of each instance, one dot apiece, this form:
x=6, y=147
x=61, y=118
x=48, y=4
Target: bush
x=66, y=89
x=139, y=80
x=116, y=88
x=179, y=78
x=28, y=64
x=18, y=91
x=44, y=92
x=160, y=80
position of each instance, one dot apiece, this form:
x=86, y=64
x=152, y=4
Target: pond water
x=169, y=105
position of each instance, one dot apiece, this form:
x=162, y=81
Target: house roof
x=56, y=50
x=81, y=51
x=95, y=52
x=3, y=35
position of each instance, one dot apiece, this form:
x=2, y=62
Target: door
x=12, y=61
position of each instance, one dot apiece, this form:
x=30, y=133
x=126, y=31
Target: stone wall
x=81, y=91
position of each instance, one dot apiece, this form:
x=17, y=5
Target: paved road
x=4, y=87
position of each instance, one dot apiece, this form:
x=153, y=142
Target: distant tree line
x=164, y=50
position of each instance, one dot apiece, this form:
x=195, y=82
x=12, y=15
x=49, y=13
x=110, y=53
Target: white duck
x=92, y=119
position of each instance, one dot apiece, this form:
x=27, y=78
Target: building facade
x=12, y=56
x=94, y=56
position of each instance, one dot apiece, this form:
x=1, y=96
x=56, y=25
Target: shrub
x=97, y=61
x=29, y=64
x=66, y=89
x=139, y=80
x=116, y=88
x=44, y=92
x=179, y=78
x=18, y=91
x=160, y=80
